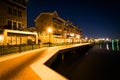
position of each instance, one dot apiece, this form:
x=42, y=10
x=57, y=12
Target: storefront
x=15, y=37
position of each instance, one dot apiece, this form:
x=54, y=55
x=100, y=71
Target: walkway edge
x=43, y=71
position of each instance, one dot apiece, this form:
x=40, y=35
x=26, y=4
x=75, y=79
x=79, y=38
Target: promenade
x=29, y=65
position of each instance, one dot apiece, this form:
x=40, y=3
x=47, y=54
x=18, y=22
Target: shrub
x=29, y=41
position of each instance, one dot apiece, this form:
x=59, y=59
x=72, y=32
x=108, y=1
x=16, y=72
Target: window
x=19, y=26
x=9, y=23
x=19, y=13
x=9, y=10
x=55, y=25
x=14, y=12
x=14, y=25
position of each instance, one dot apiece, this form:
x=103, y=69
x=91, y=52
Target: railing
x=16, y=48
x=24, y=47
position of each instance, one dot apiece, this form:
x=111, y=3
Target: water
x=113, y=45
x=101, y=62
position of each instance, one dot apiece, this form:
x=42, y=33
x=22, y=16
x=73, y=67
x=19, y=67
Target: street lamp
x=49, y=31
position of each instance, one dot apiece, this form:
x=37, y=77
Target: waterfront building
x=13, y=23
x=62, y=30
x=16, y=37
x=13, y=14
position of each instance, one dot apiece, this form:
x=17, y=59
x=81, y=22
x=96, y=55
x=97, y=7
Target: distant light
x=107, y=39
x=103, y=38
x=86, y=38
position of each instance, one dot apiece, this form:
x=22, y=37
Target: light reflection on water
x=114, y=45
x=107, y=46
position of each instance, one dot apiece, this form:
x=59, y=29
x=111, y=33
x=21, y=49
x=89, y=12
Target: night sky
x=96, y=18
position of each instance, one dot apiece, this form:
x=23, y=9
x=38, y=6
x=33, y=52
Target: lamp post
x=49, y=31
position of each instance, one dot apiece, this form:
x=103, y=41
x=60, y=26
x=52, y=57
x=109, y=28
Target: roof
x=54, y=13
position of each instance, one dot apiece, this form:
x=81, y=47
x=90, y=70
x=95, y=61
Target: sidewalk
x=17, y=54
x=16, y=66
x=29, y=65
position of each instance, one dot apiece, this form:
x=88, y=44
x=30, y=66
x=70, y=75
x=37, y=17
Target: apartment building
x=13, y=22
x=13, y=14
x=61, y=28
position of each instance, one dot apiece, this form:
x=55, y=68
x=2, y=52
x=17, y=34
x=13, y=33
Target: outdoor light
x=72, y=34
x=49, y=31
x=78, y=36
x=86, y=38
x=107, y=39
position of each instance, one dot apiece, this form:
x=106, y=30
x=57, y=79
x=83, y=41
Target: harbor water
x=100, y=62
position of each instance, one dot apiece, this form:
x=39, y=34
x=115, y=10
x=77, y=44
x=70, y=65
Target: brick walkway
x=18, y=68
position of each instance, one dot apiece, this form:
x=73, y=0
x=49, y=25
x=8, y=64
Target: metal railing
x=16, y=48
x=25, y=47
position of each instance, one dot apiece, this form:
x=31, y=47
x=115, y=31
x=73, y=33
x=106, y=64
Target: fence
x=17, y=48
x=24, y=47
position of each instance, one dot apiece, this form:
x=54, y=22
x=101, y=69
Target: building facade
x=16, y=37
x=13, y=22
x=13, y=14
x=61, y=28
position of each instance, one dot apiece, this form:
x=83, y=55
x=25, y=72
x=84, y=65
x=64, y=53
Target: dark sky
x=96, y=18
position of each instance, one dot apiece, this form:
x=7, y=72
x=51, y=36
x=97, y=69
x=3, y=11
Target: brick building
x=13, y=14
x=61, y=28
x=13, y=22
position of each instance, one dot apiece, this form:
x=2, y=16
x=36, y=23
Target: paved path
x=29, y=65
x=16, y=67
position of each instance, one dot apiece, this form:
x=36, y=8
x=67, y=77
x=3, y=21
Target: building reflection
x=114, y=45
x=107, y=46
x=118, y=45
